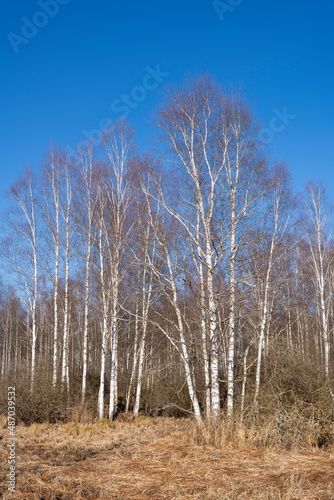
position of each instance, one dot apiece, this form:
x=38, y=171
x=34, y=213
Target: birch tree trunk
x=118, y=149
x=146, y=300
x=184, y=350
x=231, y=322
x=114, y=345
x=22, y=251
x=135, y=350
x=319, y=235
x=66, y=211
x=52, y=172
x=105, y=300
x=89, y=193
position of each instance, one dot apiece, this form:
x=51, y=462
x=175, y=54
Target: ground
x=155, y=459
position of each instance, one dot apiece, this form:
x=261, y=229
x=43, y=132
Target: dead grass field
x=156, y=459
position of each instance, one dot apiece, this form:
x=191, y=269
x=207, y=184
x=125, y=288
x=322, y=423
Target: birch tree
x=51, y=179
x=211, y=138
x=166, y=270
x=104, y=279
x=145, y=258
x=318, y=233
x=66, y=210
x=279, y=215
x=21, y=251
x=188, y=121
x=118, y=148
x=86, y=208
x=244, y=183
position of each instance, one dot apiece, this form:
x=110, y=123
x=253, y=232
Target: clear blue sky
x=62, y=77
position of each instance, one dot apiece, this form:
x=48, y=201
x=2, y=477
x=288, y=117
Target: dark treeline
x=188, y=280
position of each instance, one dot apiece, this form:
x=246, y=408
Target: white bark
x=204, y=343
x=184, y=350
x=318, y=233
x=66, y=216
x=114, y=347
x=117, y=143
x=263, y=320
x=85, y=333
x=24, y=256
x=105, y=301
x=146, y=300
x=244, y=381
x=135, y=350
x=89, y=206
x=231, y=322
x=53, y=180
x=55, y=304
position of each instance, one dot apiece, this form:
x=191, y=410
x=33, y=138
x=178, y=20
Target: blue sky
x=63, y=77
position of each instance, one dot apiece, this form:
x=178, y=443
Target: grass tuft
x=144, y=420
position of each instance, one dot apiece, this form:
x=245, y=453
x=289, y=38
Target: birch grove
x=178, y=281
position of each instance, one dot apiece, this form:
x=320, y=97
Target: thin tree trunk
x=100, y=403
x=244, y=381
x=231, y=346
x=146, y=305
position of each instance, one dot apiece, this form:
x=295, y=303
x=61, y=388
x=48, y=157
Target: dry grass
x=292, y=435
x=160, y=459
